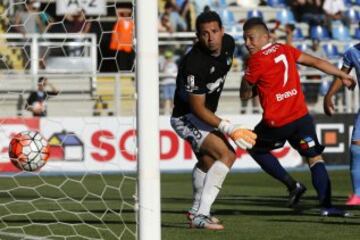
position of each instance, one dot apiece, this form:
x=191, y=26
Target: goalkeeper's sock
x=355, y=168
x=198, y=179
x=321, y=183
x=213, y=182
x=270, y=164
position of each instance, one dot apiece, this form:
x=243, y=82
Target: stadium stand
x=233, y=15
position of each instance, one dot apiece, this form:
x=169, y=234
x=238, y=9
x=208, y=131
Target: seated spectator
x=164, y=24
x=334, y=11
x=288, y=29
x=310, y=11
x=188, y=13
x=178, y=24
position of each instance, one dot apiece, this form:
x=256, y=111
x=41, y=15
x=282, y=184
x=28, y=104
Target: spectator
x=288, y=29
x=122, y=37
x=188, y=13
x=200, y=5
x=311, y=90
x=310, y=11
x=28, y=21
x=36, y=102
x=76, y=23
x=31, y=20
x=334, y=11
x=178, y=24
x=164, y=24
x=168, y=83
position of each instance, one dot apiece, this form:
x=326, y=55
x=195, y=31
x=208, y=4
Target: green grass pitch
x=251, y=206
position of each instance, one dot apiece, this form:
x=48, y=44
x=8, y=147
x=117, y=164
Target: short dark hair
x=207, y=16
x=41, y=80
x=255, y=22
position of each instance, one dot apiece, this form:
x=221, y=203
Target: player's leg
x=354, y=199
x=268, y=139
x=307, y=144
x=198, y=180
x=216, y=146
x=197, y=134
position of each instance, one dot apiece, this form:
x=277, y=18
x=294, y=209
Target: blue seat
x=302, y=47
x=357, y=2
x=357, y=33
x=235, y=31
x=298, y=34
x=217, y=4
x=255, y=13
x=319, y=33
x=227, y=17
x=285, y=16
x=331, y=50
x=348, y=3
x=340, y=32
x=276, y=3
x=353, y=15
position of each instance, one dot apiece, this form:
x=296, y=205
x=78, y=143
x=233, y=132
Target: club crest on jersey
x=190, y=83
x=212, y=69
x=307, y=143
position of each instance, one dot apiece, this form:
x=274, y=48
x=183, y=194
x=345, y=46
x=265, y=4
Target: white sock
x=213, y=182
x=198, y=180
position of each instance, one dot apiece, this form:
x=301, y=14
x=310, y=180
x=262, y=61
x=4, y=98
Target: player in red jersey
x=272, y=74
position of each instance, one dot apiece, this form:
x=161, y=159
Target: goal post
x=148, y=120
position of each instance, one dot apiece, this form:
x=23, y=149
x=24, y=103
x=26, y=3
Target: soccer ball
x=29, y=151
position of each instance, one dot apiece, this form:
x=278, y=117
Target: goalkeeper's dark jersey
x=201, y=73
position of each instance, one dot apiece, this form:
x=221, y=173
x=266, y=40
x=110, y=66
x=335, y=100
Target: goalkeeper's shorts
x=191, y=129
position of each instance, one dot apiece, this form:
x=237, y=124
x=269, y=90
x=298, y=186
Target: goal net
x=89, y=188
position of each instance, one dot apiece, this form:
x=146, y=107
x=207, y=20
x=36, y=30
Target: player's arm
x=334, y=88
x=247, y=90
x=327, y=67
x=198, y=108
x=242, y=136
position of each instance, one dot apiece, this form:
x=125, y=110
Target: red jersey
x=273, y=70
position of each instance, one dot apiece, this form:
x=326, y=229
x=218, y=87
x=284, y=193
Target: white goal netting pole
x=148, y=119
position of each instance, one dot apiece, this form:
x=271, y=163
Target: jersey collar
x=266, y=46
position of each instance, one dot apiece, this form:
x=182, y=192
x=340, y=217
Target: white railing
x=48, y=41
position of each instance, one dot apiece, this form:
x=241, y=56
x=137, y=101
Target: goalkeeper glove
x=241, y=135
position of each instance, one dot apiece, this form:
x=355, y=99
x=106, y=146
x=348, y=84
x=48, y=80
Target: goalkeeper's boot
x=204, y=222
x=295, y=194
x=334, y=212
x=353, y=200
x=192, y=213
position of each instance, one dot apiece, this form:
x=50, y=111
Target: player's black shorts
x=300, y=134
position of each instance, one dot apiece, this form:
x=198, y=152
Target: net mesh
x=87, y=189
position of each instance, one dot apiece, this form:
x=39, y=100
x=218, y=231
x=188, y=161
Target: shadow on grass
x=321, y=220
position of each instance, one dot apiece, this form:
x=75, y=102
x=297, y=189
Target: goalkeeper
x=199, y=84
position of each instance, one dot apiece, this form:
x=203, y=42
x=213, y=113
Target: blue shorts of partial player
x=356, y=131
x=300, y=134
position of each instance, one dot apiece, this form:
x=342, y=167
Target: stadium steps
x=105, y=92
